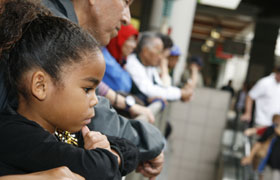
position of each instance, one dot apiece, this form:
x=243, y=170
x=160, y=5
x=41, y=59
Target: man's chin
x=114, y=34
x=104, y=41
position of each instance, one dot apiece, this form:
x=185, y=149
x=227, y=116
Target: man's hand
x=246, y=117
x=186, y=94
x=152, y=168
x=138, y=110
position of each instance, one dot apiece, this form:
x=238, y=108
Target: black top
x=26, y=147
x=3, y=89
x=229, y=89
x=274, y=159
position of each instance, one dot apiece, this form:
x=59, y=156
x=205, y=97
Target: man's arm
x=247, y=116
x=118, y=101
x=145, y=136
x=142, y=80
x=192, y=82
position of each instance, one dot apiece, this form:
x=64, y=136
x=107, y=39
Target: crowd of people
x=68, y=69
x=75, y=74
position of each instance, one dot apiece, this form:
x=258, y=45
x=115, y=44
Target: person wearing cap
x=173, y=58
x=266, y=94
x=192, y=76
x=163, y=67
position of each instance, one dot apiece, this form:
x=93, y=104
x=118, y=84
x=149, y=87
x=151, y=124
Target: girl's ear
x=39, y=85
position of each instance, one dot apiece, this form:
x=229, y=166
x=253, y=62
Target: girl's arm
x=31, y=149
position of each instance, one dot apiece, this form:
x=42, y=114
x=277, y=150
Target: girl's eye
x=87, y=90
x=126, y=2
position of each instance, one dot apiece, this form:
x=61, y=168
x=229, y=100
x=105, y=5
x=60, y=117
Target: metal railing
x=241, y=147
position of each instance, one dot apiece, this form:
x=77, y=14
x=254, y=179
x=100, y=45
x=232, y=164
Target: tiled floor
x=195, y=144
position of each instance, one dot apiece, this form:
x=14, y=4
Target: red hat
x=115, y=45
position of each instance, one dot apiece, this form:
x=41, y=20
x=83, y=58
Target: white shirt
x=144, y=78
x=266, y=94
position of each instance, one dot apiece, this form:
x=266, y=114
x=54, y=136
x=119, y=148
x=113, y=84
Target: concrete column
x=181, y=22
x=262, y=53
x=156, y=16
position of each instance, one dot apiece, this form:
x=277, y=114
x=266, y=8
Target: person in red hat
x=115, y=56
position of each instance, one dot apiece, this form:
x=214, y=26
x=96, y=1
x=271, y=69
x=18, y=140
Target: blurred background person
x=115, y=57
x=266, y=94
x=142, y=66
x=229, y=88
x=192, y=75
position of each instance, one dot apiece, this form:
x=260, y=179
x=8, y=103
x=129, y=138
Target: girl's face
x=128, y=46
x=70, y=102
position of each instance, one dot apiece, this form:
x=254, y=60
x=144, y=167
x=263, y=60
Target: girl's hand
x=250, y=131
x=246, y=161
x=94, y=139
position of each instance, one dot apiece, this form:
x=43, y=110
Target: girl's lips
x=87, y=121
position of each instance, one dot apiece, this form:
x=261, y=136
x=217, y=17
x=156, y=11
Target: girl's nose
x=93, y=100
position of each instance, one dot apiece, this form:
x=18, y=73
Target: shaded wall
x=262, y=52
x=195, y=143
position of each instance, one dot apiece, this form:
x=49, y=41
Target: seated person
x=51, y=63
x=142, y=66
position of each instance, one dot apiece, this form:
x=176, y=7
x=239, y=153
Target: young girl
x=267, y=148
x=52, y=63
